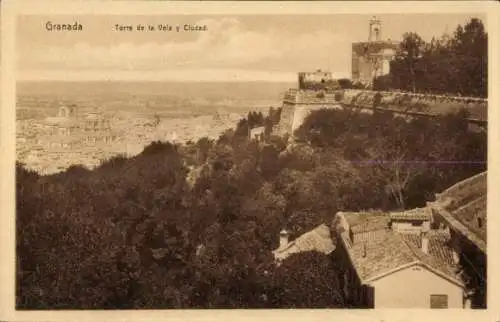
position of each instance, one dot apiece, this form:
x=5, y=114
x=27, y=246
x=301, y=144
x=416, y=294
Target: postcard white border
x=10, y=10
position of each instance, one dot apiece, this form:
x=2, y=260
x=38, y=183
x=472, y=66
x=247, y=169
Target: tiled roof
x=318, y=239
x=382, y=255
x=440, y=255
x=390, y=251
x=366, y=221
x=462, y=204
x=469, y=214
x=464, y=191
x=413, y=214
x=457, y=225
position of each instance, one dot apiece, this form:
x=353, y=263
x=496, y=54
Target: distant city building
x=68, y=130
x=257, y=133
x=67, y=111
x=317, y=80
x=372, y=58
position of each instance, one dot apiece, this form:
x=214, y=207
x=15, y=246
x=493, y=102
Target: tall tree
x=456, y=64
x=470, y=46
x=411, y=49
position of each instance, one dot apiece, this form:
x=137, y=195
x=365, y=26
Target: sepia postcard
x=249, y=160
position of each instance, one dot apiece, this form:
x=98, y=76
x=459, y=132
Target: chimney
x=284, y=238
x=425, y=242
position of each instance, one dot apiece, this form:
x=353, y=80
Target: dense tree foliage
x=253, y=120
x=193, y=226
x=404, y=157
x=456, y=65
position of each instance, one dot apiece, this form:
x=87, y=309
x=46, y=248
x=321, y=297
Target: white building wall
x=412, y=288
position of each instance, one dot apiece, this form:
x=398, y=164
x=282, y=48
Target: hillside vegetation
x=193, y=226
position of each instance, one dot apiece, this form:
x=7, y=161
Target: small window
x=479, y=222
x=439, y=301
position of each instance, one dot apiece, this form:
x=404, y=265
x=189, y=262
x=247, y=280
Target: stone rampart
x=297, y=104
x=432, y=105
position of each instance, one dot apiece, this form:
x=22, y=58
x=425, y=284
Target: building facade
x=317, y=80
x=372, y=58
x=411, y=221
x=376, y=259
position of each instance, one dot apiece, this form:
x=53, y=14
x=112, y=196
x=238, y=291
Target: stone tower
x=375, y=33
x=372, y=58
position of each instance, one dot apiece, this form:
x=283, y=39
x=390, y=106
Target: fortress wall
x=298, y=104
x=422, y=103
x=293, y=115
x=303, y=110
x=286, y=118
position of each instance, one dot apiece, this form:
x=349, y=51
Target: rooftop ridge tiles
x=423, y=212
x=470, y=203
x=463, y=183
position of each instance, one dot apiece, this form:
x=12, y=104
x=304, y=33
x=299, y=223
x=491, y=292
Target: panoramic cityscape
x=89, y=136
x=238, y=165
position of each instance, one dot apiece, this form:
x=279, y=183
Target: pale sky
x=244, y=47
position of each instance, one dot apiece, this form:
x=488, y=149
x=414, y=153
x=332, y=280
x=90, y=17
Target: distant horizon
x=147, y=81
x=250, y=91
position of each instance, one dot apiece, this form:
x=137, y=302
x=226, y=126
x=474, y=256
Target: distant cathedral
x=67, y=111
x=372, y=58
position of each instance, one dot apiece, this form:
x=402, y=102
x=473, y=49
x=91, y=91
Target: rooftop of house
x=412, y=214
x=388, y=251
x=319, y=240
x=463, y=206
x=464, y=192
x=366, y=221
x=440, y=253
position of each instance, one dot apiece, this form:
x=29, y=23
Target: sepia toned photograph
x=279, y=161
